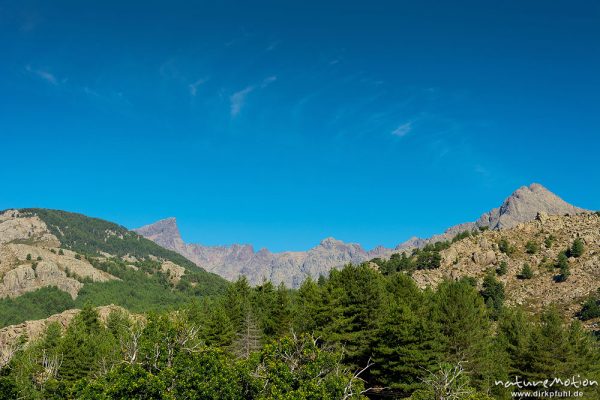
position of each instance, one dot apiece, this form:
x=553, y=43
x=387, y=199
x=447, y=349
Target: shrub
x=577, y=248
x=526, y=272
x=505, y=247
x=502, y=268
x=591, y=308
x=549, y=241
x=532, y=247
x=28, y=258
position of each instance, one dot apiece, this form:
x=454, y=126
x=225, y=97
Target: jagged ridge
x=293, y=267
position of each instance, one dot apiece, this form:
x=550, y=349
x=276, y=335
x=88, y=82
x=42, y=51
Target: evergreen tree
x=462, y=317
x=514, y=334
x=531, y=247
x=238, y=302
x=493, y=294
x=306, y=309
x=577, y=248
x=526, y=272
x=502, y=268
x=282, y=313
x=79, y=346
x=355, y=295
x=217, y=329
x=563, y=265
x=407, y=344
x=248, y=338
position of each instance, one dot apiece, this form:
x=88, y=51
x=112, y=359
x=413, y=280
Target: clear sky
x=279, y=123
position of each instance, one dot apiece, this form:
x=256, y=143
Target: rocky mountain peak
x=164, y=232
x=523, y=205
x=330, y=242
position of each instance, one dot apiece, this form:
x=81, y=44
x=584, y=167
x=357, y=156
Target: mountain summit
x=293, y=267
x=164, y=233
x=523, y=205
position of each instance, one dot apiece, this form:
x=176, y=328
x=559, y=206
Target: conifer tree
x=493, y=294
x=577, y=248
x=355, y=296
x=249, y=338
x=463, y=319
x=526, y=272
x=407, y=345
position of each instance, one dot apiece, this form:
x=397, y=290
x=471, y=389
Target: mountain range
x=292, y=268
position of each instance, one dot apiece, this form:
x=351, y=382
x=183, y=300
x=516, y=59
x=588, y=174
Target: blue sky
x=279, y=123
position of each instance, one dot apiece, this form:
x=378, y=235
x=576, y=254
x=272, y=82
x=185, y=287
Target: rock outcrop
x=552, y=234
x=292, y=268
x=30, y=258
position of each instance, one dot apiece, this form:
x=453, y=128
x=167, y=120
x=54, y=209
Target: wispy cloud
x=403, y=129
x=194, y=86
x=273, y=45
x=268, y=80
x=238, y=99
x=45, y=75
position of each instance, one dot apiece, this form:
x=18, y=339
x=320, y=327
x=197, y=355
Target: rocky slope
x=31, y=258
x=478, y=255
x=40, y=248
x=292, y=268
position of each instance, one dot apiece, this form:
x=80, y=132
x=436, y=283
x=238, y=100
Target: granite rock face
x=292, y=268
x=30, y=259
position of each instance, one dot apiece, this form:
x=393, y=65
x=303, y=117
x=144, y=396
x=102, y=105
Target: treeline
x=355, y=333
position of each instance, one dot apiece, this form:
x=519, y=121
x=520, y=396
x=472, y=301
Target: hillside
x=53, y=260
x=292, y=268
x=537, y=243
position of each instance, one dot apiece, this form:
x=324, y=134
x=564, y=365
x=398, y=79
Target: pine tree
x=306, y=309
x=551, y=354
x=526, y=272
x=217, y=329
x=462, y=317
x=407, y=345
x=248, y=339
x=282, y=315
x=563, y=265
x=238, y=302
x=493, y=294
x=577, y=248
x=514, y=334
x=354, y=296
x=502, y=268
x=531, y=247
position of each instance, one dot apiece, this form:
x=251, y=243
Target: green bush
x=532, y=247
x=502, y=268
x=505, y=247
x=526, y=272
x=577, y=248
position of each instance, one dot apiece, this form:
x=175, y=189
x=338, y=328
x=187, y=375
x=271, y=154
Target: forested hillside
x=353, y=334
x=51, y=261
